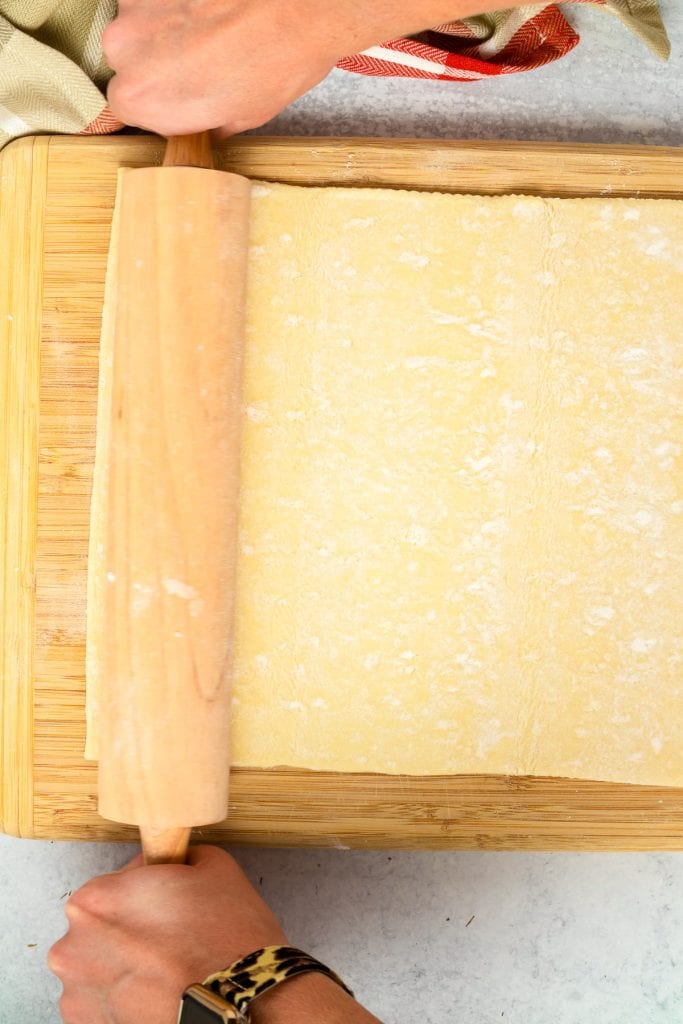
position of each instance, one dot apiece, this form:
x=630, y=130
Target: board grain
x=56, y=203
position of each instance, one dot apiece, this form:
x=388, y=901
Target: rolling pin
x=167, y=505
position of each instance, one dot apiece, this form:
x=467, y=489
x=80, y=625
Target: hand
x=138, y=937
x=184, y=66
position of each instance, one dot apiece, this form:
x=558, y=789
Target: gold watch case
x=199, y=1005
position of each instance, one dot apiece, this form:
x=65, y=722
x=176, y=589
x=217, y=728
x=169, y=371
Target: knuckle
x=134, y=103
x=123, y=92
x=114, y=41
x=109, y=47
x=75, y=914
x=91, y=898
x=71, y=1008
x=75, y=902
x=56, y=960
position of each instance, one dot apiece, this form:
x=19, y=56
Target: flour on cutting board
x=461, y=542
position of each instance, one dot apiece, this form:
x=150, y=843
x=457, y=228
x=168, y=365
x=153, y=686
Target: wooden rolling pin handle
x=165, y=846
x=189, y=151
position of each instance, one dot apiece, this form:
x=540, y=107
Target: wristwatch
x=227, y=995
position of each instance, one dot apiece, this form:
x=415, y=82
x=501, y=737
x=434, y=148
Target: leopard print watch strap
x=247, y=978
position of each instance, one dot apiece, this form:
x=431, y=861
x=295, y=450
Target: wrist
x=310, y=996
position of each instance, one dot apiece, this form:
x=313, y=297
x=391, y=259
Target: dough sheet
x=461, y=541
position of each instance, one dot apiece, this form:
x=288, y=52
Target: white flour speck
x=141, y=597
x=498, y=527
x=417, y=535
x=478, y=464
x=643, y=645
x=511, y=404
x=658, y=248
x=414, y=260
x=178, y=588
x=423, y=362
x=526, y=209
x=634, y=355
x=600, y=615
x=440, y=317
x=256, y=414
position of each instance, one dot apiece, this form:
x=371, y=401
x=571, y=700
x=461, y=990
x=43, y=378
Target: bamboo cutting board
x=56, y=201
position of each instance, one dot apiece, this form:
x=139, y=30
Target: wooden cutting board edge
x=324, y=809
x=22, y=218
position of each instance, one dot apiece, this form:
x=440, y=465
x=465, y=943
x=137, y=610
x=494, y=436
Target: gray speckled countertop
x=472, y=938
x=609, y=89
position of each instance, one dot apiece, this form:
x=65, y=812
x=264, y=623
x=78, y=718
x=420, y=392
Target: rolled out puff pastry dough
x=460, y=542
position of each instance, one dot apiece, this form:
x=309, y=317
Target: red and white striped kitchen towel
x=500, y=43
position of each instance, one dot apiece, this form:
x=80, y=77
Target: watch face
x=194, y=1009
x=193, y=1013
